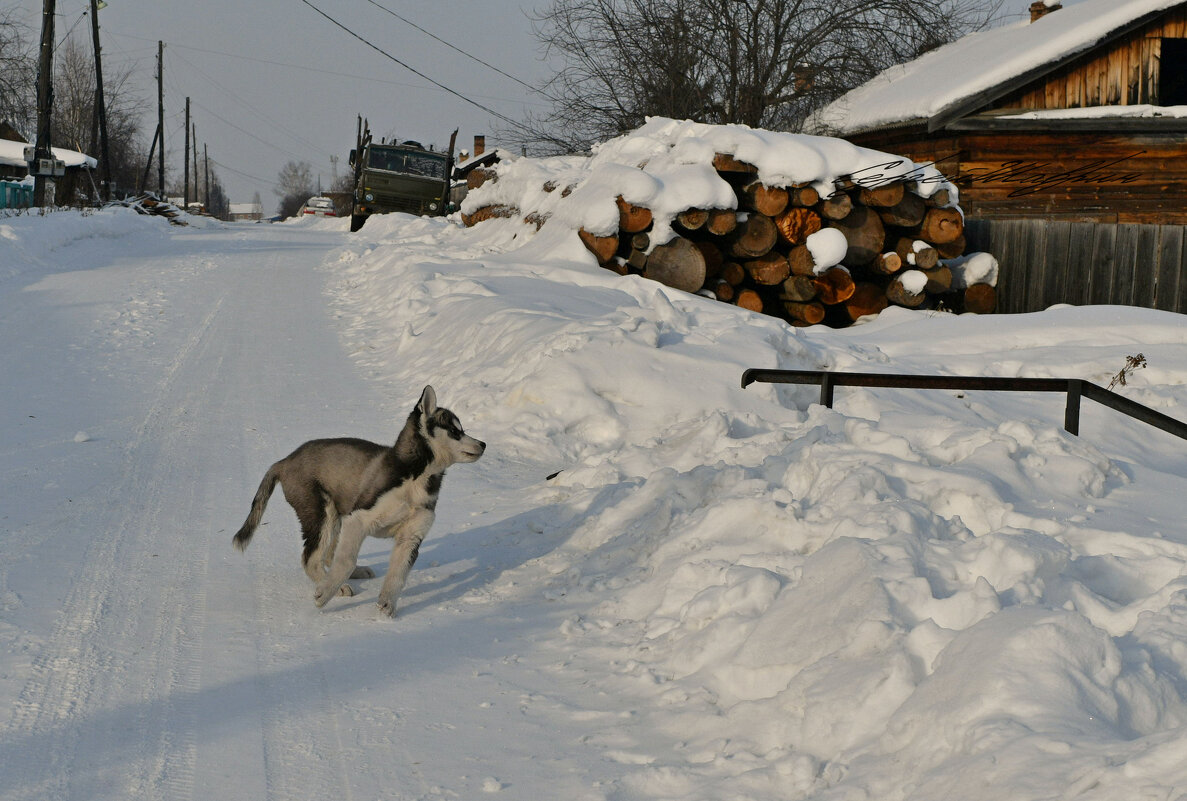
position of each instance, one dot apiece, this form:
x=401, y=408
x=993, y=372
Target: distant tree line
x=762, y=63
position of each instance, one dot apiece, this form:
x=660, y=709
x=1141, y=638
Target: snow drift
x=916, y=595
x=730, y=593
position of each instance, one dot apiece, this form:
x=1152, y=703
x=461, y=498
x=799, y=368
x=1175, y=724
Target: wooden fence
x=1081, y=263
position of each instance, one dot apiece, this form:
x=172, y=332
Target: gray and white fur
x=345, y=490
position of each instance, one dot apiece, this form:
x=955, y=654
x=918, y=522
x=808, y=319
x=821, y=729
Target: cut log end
x=632, y=218
x=749, y=299
x=980, y=299
x=603, y=247
x=754, y=237
x=797, y=224
x=835, y=285
x=809, y=313
x=866, y=299
x=770, y=269
x=941, y=226
x=678, y=263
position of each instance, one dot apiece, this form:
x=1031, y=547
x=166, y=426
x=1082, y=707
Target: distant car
x=319, y=207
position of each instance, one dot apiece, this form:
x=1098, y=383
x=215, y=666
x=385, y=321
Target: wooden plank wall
x=1047, y=262
x=1124, y=74
x=1115, y=177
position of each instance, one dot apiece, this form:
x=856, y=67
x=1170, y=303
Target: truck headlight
x=368, y=197
x=433, y=206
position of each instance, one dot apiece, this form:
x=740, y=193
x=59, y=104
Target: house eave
x=1129, y=125
x=969, y=105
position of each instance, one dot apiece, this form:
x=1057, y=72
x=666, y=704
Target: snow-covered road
x=720, y=593
x=173, y=667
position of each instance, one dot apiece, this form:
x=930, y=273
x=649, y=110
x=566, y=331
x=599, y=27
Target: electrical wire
x=470, y=56
x=415, y=71
x=307, y=68
x=261, y=140
x=276, y=125
x=268, y=181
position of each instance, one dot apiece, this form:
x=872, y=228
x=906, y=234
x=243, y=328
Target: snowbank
x=730, y=593
x=916, y=595
x=29, y=241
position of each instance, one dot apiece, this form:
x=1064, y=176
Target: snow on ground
x=655, y=585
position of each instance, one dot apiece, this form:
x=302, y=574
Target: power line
x=244, y=174
x=415, y=71
x=307, y=68
x=246, y=132
x=457, y=49
x=300, y=140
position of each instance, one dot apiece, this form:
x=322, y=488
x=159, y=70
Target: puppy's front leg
x=346, y=556
x=405, y=549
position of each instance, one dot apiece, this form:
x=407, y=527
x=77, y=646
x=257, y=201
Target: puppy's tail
x=243, y=537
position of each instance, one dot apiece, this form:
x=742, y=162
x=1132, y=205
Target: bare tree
x=764, y=63
x=18, y=73
x=74, y=122
x=294, y=185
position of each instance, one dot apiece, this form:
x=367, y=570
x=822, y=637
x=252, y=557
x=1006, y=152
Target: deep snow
x=722, y=593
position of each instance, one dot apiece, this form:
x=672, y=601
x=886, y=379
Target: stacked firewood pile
x=773, y=253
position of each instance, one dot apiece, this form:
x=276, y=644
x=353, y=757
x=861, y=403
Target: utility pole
x=185, y=200
x=161, y=117
x=100, y=108
x=195, y=152
x=206, y=153
x=45, y=102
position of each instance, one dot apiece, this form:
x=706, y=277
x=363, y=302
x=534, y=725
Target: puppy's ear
x=428, y=402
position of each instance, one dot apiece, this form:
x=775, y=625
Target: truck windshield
x=406, y=162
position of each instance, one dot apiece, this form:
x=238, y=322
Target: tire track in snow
x=82, y=667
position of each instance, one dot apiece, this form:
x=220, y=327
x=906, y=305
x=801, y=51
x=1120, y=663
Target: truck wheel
x=356, y=221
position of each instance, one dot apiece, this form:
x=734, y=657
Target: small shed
x=249, y=212
x=1074, y=121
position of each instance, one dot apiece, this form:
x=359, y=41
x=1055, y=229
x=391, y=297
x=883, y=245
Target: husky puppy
x=345, y=490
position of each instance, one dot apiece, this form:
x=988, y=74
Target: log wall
x=1044, y=263
x=1076, y=176
x=1111, y=173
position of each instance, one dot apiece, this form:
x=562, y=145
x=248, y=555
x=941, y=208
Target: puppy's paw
x=324, y=592
x=346, y=591
x=362, y=573
x=387, y=606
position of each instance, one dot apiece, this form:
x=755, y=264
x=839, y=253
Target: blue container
x=15, y=196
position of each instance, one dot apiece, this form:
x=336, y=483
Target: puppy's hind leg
x=350, y=540
x=319, y=562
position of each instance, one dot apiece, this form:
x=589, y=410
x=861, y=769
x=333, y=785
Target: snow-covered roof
x=13, y=153
x=943, y=80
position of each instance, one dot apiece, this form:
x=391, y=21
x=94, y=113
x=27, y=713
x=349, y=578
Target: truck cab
x=399, y=176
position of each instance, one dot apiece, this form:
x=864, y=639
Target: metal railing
x=1074, y=388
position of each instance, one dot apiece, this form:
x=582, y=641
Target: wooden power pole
x=45, y=101
x=100, y=108
x=185, y=201
x=194, y=131
x=161, y=117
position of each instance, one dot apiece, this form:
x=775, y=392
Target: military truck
x=398, y=176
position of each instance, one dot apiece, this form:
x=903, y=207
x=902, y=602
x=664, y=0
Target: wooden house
x=1074, y=119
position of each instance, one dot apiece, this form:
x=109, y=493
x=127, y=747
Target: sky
x=274, y=81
